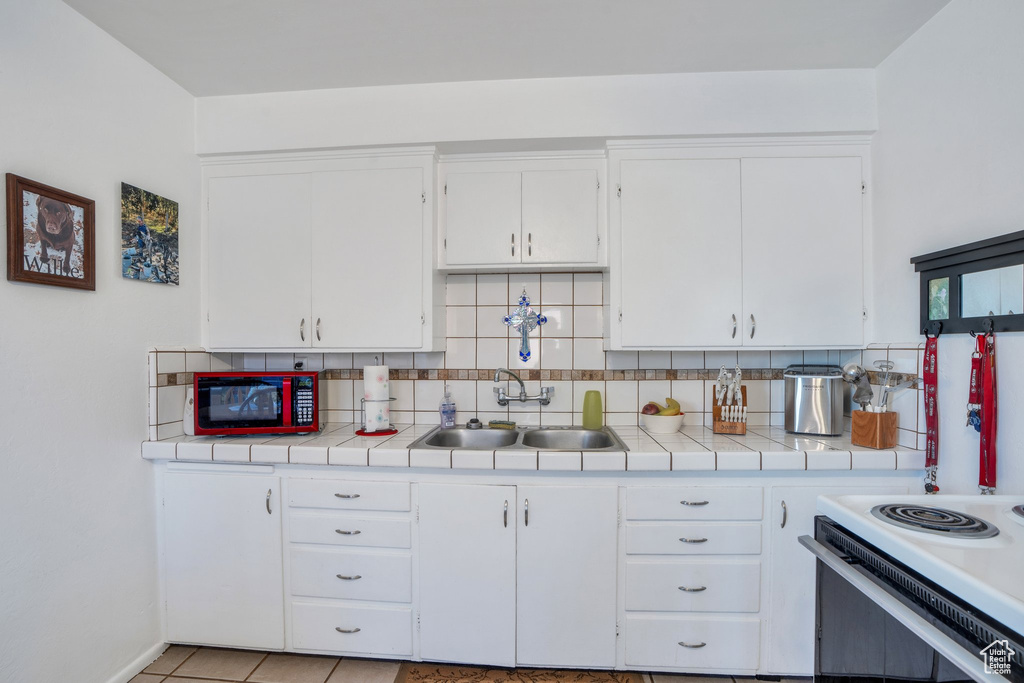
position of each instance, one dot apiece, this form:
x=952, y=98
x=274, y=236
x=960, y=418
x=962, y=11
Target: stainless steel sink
x=523, y=438
x=460, y=437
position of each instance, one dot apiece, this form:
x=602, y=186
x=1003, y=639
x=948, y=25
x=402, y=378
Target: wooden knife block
x=719, y=426
x=875, y=430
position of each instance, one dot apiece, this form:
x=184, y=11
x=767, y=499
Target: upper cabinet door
x=368, y=258
x=681, y=274
x=560, y=216
x=483, y=218
x=258, y=230
x=803, y=254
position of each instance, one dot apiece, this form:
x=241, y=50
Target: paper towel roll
x=376, y=391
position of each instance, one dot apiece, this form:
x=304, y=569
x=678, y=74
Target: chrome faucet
x=544, y=397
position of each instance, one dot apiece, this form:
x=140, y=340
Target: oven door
x=872, y=628
x=244, y=404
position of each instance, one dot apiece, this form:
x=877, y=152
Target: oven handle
x=963, y=658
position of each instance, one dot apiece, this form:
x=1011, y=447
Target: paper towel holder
x=362, y=417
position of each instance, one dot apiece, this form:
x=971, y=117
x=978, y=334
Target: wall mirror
x=974, y=287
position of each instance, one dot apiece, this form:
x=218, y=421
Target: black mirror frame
x=996, y=252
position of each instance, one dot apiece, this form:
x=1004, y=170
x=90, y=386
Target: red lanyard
x=987, y=464
x=982, y=409
x=931, y=412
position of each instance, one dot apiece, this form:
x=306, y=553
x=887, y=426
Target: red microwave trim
x=286, y=404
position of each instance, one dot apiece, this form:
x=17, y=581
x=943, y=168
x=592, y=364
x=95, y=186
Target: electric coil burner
x=933, y=520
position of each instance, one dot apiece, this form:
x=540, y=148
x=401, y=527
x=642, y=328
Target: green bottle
x=592, y=413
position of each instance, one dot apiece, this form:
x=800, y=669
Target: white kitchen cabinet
x=368, y=264
x=467, y=573
x=737, y=245
x=222, y=559
x=258, y=262
x=803, y=252
x=790, y=594
x=681, y=278
x=333, y=251
x=519, y=213
x=566, y=576
x=484, y=218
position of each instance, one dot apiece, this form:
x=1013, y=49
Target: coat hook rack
x=987, y=326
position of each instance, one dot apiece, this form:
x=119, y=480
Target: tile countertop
x=690, y=449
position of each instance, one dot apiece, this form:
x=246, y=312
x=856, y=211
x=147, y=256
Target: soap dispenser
x=447, y=409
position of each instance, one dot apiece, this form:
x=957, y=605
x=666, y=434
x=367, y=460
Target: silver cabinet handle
x=347, y=630
x=692, y=646
x=733, y=325
x=349, y=578
x=269, y=491
x=785, y=515
x=302, y=330
x=347, y=496
x=348, y=533
x=694, y=540
x=529, y=244
x=318, y=329
x=693, y=503
x=506, y=514
x=513, y=244
x=753, y=325
x=526, y=512
x=698, y=589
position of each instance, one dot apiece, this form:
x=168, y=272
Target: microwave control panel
x=302, y=398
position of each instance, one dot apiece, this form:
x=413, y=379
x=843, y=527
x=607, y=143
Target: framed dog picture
x=50, y=235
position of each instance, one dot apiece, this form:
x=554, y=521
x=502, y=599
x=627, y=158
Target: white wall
x=742, y=103
x=78, y=565
x=949, y=167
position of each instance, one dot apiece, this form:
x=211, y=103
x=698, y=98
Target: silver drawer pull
x=693, y=502
x=692, y=646
x=346, y=496
x=356, y=630
x=349, y=578
x=698, y=589
x=347, y=533
x=694, y=540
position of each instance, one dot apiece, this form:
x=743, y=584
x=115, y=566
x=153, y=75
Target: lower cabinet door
x=358, y=630
x=693, y=643
x=567, y=542
x=222, y=559
x=467, y=572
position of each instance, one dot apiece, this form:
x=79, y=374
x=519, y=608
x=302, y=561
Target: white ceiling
x=227, y=47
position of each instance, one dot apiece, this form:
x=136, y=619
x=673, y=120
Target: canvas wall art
x=149, y=236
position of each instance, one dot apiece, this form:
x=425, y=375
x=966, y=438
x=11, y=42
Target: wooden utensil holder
x=720, y=426
x=875, y=430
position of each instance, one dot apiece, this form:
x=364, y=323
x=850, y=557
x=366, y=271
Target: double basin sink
x=529, y=438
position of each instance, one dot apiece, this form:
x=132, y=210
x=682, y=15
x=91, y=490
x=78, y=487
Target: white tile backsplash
x=556, y=289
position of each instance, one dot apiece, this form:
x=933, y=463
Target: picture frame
x=61, y=253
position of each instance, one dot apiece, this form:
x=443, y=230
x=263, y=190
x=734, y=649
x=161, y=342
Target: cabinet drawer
x=349, y=530
x=348, y=495
x=702, y=539
x=714, y=586
x=315, y=573
x=381, y=630
x=730, y=644
x=693, y=502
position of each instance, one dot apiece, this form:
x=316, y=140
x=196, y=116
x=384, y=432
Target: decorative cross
x=524, y=320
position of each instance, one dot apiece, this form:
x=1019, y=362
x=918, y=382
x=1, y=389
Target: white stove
x=972, y=546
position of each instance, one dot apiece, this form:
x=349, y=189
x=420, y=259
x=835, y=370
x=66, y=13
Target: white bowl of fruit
x=662, y=419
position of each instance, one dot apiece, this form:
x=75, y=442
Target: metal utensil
x=887, y=366
x=892, y=391
x=858, y=377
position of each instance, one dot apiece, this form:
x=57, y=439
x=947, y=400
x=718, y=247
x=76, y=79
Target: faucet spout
x=497, y=378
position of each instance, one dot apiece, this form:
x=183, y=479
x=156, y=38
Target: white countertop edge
x=687, y=450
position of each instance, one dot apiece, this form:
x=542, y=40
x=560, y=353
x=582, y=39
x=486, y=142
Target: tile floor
x=181, y=664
